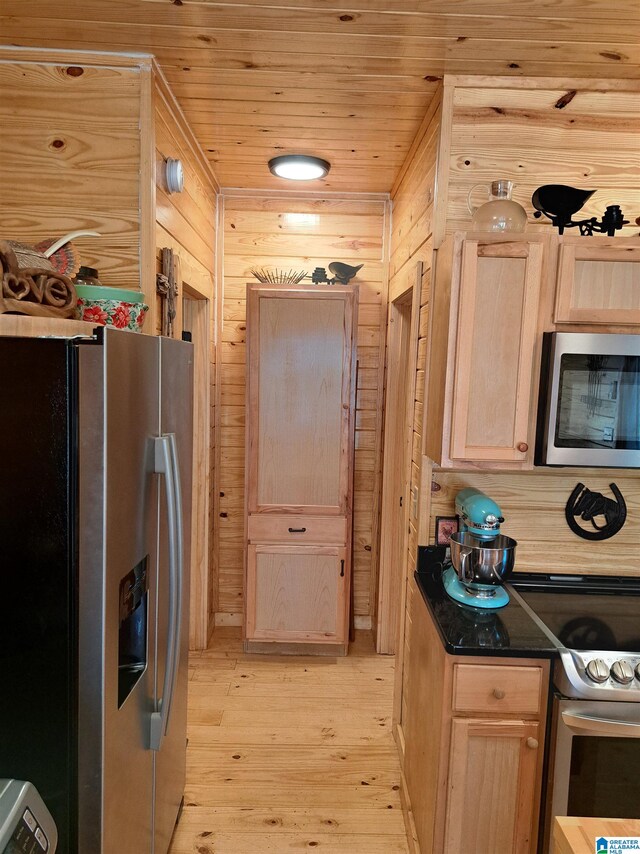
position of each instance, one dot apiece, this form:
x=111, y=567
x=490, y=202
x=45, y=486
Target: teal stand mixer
x=481, y=557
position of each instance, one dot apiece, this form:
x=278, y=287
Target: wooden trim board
x=401, y=384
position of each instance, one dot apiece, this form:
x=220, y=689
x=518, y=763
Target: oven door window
x=598, y=402
x=603, y=778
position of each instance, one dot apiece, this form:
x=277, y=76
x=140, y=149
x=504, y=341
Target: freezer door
x=172, y=640
x=38, y=575
x=121, y=572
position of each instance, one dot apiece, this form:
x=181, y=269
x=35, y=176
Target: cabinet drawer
x=297, y=529
x=503, y=690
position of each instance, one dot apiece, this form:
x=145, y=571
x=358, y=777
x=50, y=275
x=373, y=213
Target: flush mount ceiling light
x=299, y=167
x=174, y=175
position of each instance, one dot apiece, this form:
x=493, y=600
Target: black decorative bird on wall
x=342, y=273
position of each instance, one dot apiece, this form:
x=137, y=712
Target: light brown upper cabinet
x=483, y=350
x=301, y=379
x=598, y=281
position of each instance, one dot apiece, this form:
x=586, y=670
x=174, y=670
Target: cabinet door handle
x=342, y=569
x=297, y=530
x=523, y=447
x=532, y=743
x=498, y=693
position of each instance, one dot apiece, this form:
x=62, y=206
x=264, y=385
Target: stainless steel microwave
x=589, y=406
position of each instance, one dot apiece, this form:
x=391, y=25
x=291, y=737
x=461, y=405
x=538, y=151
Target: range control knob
x=597, y=670
x=622, y=672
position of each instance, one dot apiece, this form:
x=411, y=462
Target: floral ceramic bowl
x=99, y=305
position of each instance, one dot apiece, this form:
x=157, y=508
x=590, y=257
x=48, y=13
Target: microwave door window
x=598, y=402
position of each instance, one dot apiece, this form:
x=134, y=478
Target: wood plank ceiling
x=257, y=78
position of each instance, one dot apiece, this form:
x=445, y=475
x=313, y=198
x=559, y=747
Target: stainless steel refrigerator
x=95, y=486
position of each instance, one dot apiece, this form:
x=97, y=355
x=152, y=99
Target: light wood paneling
x=533, y=132
x=430, y=677
x=533, y=506
x=411, y=241
x=300, y=232
x=186, y=223
x=258, y=77
x=400, y=399
x=71, y=155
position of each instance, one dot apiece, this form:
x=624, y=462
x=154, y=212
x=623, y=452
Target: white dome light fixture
x=299, y=167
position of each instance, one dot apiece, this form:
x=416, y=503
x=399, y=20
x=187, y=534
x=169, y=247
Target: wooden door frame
x=398, y=428
x=200, y=570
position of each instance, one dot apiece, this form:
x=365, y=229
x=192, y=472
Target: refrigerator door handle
x=166, y=463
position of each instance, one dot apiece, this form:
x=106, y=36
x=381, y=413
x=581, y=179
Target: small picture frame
x=445, y=526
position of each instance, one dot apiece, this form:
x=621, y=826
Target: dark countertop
x=508, y=631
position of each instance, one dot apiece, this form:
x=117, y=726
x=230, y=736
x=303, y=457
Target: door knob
x=532, y=743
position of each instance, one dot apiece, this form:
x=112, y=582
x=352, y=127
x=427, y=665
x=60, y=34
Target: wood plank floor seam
x=290, y=754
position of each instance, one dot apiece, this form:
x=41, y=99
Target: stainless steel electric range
x=593, y=762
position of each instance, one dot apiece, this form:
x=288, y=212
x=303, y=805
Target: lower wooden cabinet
x=491, y=787
x=473, y=733
x=297, y=593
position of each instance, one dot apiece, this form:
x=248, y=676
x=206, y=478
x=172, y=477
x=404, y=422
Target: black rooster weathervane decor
x=342, y=273
x=560, y=203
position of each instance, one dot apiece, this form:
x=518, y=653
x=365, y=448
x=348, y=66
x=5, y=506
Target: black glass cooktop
x=594, y=614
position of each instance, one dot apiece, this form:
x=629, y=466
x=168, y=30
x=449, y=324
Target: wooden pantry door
x=300, y=410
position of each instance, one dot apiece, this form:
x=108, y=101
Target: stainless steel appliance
x=94, y=486
x=595, y=717
x=589, y=410
x=25, y=822
x=481, y=557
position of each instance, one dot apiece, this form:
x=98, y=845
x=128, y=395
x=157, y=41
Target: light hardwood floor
x=290, y=754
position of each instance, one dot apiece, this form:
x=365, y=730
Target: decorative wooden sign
x=33, y=290
x=167, y=288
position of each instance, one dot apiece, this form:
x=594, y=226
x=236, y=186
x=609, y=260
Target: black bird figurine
x=343, y=273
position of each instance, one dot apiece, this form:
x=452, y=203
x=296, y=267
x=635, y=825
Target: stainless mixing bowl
x=482, y=564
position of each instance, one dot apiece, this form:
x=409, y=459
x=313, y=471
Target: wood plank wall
x=300, y=232
x=186, y=222
x=412, y=241
x=538, y=132
x=70, y=157
x=533, y=507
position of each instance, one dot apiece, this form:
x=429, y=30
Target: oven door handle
x=587, y=725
